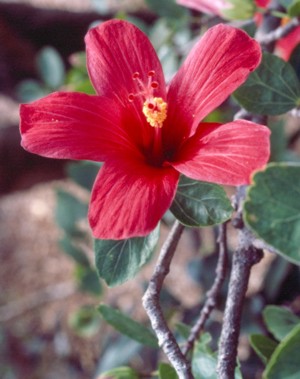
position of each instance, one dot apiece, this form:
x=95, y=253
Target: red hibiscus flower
x=146, y=134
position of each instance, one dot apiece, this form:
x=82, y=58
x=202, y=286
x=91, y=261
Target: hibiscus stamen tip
x=131, y=97
x=155, y=111
x=154, y=108
x=135, y=75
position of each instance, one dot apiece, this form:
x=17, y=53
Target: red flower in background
x=145, y=133
x=284, y=47
x=206, y=6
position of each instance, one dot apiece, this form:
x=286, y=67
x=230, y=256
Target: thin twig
x=212, y=294
x=279, y=33
x=152, y=306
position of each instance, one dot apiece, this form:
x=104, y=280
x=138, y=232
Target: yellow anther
x=155, y=111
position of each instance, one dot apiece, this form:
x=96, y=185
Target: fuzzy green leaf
x=85, y=321
x=166, y=8
x=280, y=321
x=119, y=260
x=83, y=173
x=88, y=280
x=272, y=208
x=204, y=361
x=239, y=10
x=127, y=326
x=69, y=211
x=263, y=346
x=272, y=89
x=200, y=203
x=51, y=67
x=166, y=371
x=284, y=362
x=120, y=373
x=294, y=9
x=74, y=251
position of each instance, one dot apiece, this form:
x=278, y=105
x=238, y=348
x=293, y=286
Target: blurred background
x=49, y=326
x=49, y=290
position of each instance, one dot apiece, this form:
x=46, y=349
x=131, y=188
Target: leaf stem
x=152, y=306
x=212, y=294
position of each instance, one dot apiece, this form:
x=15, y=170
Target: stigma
x=154, y=108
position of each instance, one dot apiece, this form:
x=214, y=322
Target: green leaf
x=111, y=357
x=85, y=321
x=279, y=141
x=272, y=89
x=120, y=373
x=284, y=362
x=51, y=67
x=79, y=84
x=127, y=326
x=69, y=210
x=29, y=90
x=295, y=60
x=83, y=173
x=285, y=3
x=263, y=346
x=88, y=280
x=160, y=33
x=73, y=251
x=120, y=260
x=272, y=208
x=204, y=361
x=276, y=275
x=165, y=371
x=77, y=77
x=204, y=365
x=239, y=10
x=167, y=8
x=183, y=330
x=279, y=321
x=294, y=9
x=200, y=204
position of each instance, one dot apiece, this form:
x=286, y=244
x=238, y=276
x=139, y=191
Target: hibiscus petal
x=286, y=45
x=128, y=200
x=224, y=154
x=219, y=63
x=115, y=51
x=206, y=6
x=74, y=126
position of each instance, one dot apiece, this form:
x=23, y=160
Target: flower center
x=155, y=111
x=154, y=108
